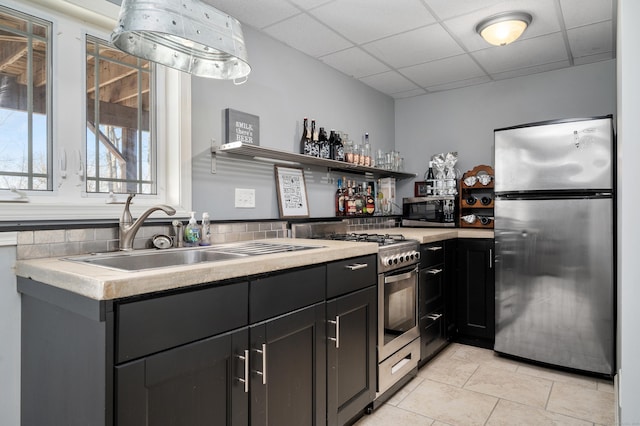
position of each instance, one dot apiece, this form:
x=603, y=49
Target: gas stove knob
x=417, y=255
x=387, y=261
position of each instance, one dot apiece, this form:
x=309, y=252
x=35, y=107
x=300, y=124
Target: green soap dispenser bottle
x=192, y=232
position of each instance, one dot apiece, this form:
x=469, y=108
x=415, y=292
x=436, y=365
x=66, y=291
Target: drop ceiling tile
x=355, y=62
x=579, y=12
x=409, y=94
x=365, y=20
x=307, y=35
x=531, y=70
x=543, y=12
x=446, y=9
x=389, y=82
x=309, y=4
x=591, y=39
x=443, y=71
x=414, y=47
x=458, y=84
x=523, y=54
x=593, y=58
x=258, y=14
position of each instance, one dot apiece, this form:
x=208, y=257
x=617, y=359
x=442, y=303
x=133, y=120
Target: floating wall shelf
x=248, y=150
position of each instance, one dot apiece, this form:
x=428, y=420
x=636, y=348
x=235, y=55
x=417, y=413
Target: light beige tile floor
x=465, y=385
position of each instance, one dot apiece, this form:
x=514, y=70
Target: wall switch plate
x=245, y=198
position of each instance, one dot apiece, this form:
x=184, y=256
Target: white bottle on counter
x=205, y=238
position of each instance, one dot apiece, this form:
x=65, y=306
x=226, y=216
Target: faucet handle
x=126, y=214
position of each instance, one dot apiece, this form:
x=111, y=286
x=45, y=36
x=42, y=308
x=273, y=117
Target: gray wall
x=463, y=120
x=284, y=86
x=628, y=208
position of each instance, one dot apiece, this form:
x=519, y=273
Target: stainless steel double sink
x=151, y=259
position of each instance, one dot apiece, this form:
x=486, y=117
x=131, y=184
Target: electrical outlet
x=245, y=198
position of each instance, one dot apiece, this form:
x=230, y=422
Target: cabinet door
x=476, y=298
x=288, y=369
x=195, y=384
x=351, y=355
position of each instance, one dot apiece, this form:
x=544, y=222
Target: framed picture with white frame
x=292, y=192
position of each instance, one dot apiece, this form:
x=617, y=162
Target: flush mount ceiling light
x=503, y=28
x=187, y=35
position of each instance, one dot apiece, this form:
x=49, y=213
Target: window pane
x=25, y=145
x=120, y=141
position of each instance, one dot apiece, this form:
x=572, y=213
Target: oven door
x=397, y=310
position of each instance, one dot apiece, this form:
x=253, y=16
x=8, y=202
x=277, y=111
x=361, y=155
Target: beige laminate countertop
x=429, y=235
x=101, y=283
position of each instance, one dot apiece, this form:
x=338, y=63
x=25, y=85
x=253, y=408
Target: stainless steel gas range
x=398, y=334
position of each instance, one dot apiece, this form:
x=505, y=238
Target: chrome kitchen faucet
x=129, y=228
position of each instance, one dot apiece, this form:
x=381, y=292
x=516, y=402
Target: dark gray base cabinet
x=195, y=384
x=476, y=292
x=234, y=353
x=435, y=295
x=287, y=369
x=351, y=355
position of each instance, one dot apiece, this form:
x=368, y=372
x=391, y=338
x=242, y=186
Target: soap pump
x=192, y=232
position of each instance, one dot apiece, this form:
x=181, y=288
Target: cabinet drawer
x=278, y=294
x=350, y=275
x=432, y=336
x=431, y=254
x=148, y=326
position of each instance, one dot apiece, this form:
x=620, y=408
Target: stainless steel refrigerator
x=555, y=242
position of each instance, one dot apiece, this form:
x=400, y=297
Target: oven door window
x=399, y=304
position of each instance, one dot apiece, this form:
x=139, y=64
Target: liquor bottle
x=350, y=201
x=339, y=148
x=366, y=151
x=430, y=180
x=314, y=147
x=339, y=201
x=332, y=144
x=359, y=201
x=305, y=140
x=323, y=144
x=381, y=200
x=370, y=202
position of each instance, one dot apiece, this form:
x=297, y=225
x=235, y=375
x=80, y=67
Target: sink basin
x=153, y=259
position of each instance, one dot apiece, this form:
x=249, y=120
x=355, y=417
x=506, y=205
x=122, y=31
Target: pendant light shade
x=503, y=28
x=187, y=35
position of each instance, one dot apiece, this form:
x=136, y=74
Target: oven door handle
x=400, y=277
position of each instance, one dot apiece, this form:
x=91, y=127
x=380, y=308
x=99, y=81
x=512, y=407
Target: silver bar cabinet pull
x=434, y=248
x=245, y=380
x=356, y=266
x=337, y=338
x=434, y=271
x=262, y=373
x=490, y=258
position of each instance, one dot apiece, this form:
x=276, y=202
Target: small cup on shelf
x=470, y=181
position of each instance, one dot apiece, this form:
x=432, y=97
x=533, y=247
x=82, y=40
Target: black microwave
x=435, y=211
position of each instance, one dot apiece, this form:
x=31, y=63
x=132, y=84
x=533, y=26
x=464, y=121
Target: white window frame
x=72, y=21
